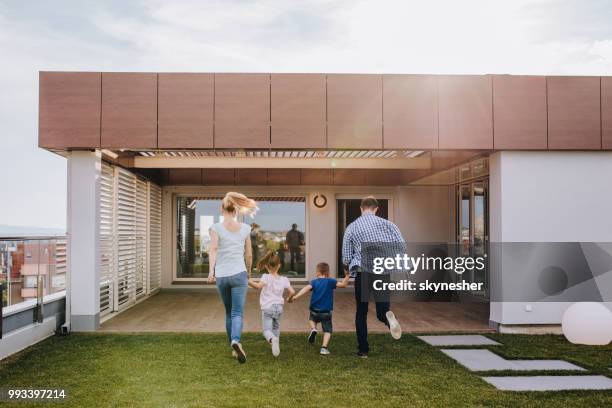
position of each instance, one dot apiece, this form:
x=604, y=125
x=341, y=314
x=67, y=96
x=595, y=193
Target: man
x=369, y=228
x=255, y=241
x=294, y=240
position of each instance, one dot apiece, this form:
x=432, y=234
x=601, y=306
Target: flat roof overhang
x=160, y=111
x=422, y=163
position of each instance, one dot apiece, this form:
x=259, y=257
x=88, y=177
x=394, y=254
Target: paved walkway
x=551, y=383
x=485, y=360
x=459, y=340
x=202, y=311
x=481, y=359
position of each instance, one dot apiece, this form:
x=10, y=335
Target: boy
x=321, y=303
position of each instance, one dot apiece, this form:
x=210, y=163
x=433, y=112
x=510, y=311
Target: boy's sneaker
x=312, y=336
x=240, y=354
x=362, y=355
x=275, y=346
x=324, y=351
x=394, y=326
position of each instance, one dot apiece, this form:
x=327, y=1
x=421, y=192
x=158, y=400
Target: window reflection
x=271, y=229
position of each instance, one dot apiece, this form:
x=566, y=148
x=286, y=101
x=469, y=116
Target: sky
x=456, y=37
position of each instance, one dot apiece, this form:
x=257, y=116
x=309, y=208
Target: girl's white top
x=272, y=292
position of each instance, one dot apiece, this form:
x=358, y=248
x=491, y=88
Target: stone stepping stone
x=485, y=360
x=459, y=340
x=551, y=383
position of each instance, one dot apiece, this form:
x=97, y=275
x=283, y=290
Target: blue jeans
x=233, y=290
x=270, y=321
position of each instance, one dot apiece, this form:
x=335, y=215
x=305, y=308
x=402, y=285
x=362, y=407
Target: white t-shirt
x=272, y=292
x=230, y=255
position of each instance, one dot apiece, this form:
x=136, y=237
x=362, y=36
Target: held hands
x=290, y=298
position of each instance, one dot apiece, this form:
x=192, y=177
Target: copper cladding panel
x=383, y=177
x=69, y=109
x=252, y=176
x=185, y=176
x=606, y=113
x=298, y=111
x=410, y=112
x=350, y=177
x=354, y=111
x=283, y=176
x=129, y=110
x=519, y=112
x=574, y=120
x=218, y=176
x=185, y=111
x=242, y=111
x=316, y=177
x=465, y=112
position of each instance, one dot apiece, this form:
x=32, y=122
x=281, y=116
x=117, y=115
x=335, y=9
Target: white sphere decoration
x=587, y=323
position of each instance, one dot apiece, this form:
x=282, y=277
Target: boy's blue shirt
x=322, y=298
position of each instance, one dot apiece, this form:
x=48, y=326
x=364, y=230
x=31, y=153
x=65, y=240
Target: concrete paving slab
x=551, y=383
x=459, y=340
x=485, y=360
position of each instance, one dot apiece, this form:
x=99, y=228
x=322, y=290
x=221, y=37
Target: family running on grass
x=231, y=257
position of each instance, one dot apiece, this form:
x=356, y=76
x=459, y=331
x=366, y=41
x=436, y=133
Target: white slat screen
x=140, y=235
x=155, y=199
x=107, y=242
x=130, y=238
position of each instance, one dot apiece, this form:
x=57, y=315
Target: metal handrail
x=1, y=308
x=32, y=238
x=59, y=241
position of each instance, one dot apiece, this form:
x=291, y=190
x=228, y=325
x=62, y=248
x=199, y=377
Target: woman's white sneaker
x=275, y=346
x=324, y=351
x=394, y=326
x=240, y=354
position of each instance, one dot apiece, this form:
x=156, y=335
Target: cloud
x=477, y=36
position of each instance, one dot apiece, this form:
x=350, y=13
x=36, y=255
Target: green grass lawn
x=196, y=370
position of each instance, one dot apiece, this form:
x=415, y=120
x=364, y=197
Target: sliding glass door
x=473, y=227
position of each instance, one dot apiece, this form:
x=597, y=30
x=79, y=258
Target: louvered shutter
x=155, y=198
x=125, y=228
x=107, y=238
x=130, y=238
x=140, y=234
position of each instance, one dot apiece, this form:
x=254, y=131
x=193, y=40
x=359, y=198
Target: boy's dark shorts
x=325, y=318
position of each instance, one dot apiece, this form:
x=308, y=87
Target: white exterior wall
x=426, y=213
x=548, y=197
x=423, y=214
x=83, y=219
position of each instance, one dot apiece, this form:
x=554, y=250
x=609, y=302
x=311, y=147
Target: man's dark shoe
x=362, y=355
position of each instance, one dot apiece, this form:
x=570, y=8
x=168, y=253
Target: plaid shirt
x=366, y=228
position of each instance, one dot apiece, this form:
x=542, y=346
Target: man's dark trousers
x=364, y=282
x=295, y=257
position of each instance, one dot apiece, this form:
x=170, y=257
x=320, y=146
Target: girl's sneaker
x=240, y=354
x=324, y=351
x=275, y=346
x=312, y=336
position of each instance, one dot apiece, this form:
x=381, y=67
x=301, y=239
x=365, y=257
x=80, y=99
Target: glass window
x=278, y=226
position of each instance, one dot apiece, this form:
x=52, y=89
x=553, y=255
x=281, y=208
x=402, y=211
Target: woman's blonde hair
x=269, y=260
x=236, y=202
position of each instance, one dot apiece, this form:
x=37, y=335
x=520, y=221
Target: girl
x=230, y=260
x=271, y=300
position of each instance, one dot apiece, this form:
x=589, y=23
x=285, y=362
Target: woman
x=230, y=264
